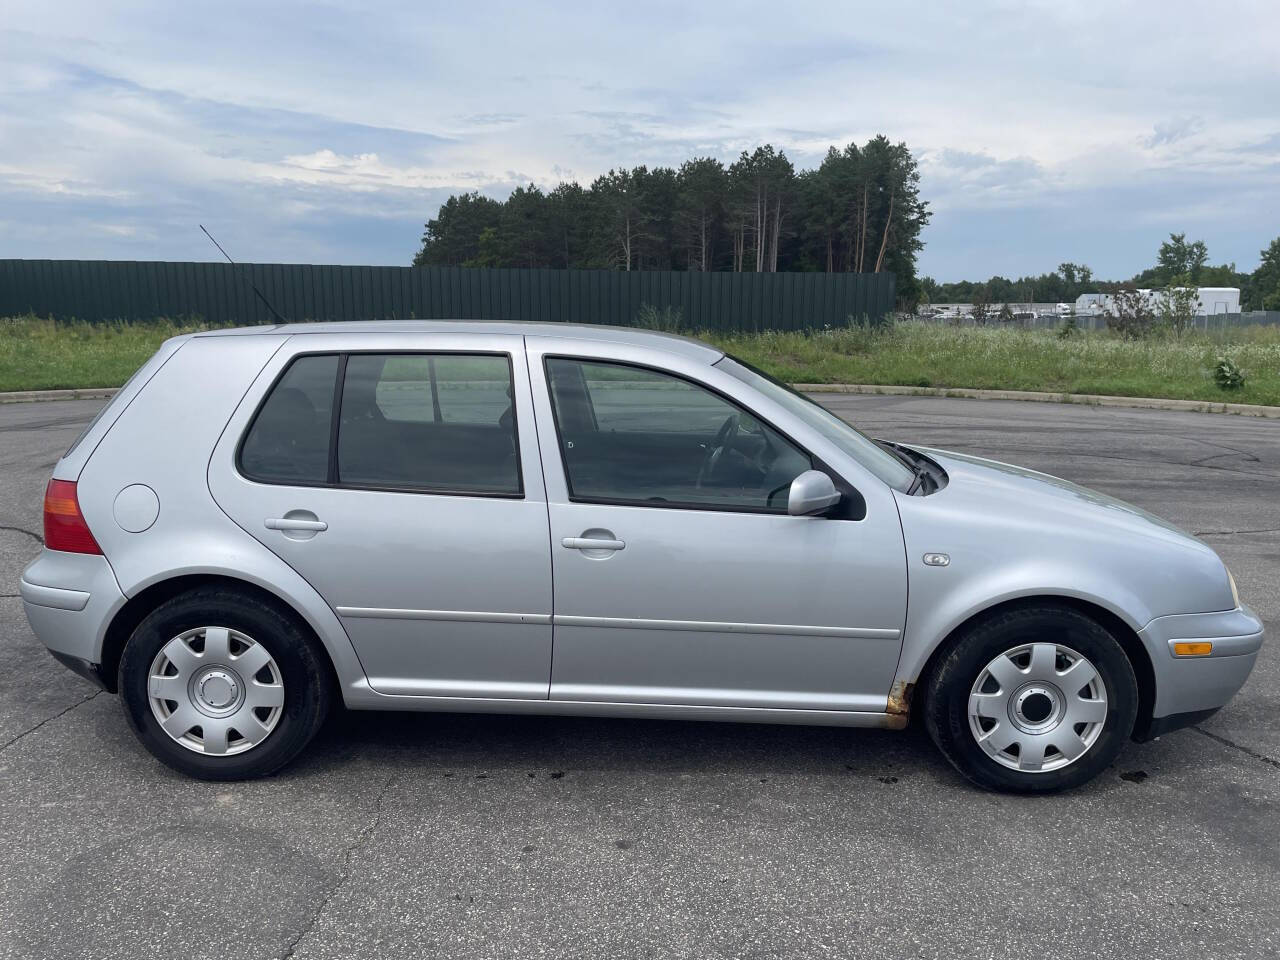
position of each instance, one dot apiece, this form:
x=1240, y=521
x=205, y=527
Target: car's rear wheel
x=221, y=685
x=1032, y=701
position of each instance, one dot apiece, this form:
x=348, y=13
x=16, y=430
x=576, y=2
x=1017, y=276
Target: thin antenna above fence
x=261, y=296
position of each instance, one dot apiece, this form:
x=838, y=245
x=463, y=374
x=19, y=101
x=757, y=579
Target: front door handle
x=592, y=543
x=293, y=523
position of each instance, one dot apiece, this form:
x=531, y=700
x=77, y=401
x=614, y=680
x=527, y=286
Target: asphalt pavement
x=421, y=835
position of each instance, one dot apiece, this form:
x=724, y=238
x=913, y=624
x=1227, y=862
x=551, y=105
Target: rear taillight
x=64, y=524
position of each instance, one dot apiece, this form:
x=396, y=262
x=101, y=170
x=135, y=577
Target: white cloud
x=322, y=113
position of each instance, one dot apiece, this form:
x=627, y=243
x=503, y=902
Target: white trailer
x=1216, y=300
x=1210, y=301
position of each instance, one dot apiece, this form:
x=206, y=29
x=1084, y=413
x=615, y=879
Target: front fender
x=1011, y=534
x=935, y=613
x=943, y=598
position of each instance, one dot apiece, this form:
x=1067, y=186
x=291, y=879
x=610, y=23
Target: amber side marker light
x=64, y=525
x=1193, y=648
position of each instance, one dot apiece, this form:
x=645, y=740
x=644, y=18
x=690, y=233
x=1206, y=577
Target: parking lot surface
x=425, y=835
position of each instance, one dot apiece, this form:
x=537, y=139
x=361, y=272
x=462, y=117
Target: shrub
x=667, y=319
x=1129, y=315
x=868, y=322
x=1227, y=375
x=1177, y=305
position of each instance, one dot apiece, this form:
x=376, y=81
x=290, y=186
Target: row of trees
x=1178, y=263
x=859, y=210
x=1058, y=286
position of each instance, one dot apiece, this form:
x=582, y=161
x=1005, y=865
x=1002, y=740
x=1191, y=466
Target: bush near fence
x=220, y=293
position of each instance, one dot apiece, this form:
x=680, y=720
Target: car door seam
x=546, y=503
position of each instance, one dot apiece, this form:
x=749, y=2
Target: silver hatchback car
x=550, y=519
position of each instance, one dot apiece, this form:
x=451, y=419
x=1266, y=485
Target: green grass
x=41, y=355
x=1090, y=362
x=38, y=354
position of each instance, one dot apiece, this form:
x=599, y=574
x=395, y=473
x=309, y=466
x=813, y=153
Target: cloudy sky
x=329, y=132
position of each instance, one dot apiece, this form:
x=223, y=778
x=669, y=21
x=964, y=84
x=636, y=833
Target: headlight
x=1235, y=594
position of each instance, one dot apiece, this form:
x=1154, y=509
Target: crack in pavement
x=34, y=536
x=1236, y=746
x=1232, y=533
x=1227, y=450
x=60, y=713
x=361, y=840
x=30, y=425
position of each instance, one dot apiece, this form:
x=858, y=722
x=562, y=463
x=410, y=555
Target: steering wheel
x=728, y=430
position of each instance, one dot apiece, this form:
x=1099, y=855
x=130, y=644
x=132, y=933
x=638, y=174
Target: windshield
x=857, y=445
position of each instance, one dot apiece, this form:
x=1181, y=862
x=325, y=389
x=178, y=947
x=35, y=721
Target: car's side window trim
x=335, y=418
x=856, y=505
x=333, y=480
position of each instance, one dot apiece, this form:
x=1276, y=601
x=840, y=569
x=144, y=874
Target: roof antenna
x=267, y=303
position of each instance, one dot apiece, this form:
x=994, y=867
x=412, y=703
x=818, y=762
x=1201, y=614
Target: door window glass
x=861, y=448
x=634, y=435
x=434, y=422
x=289, y=439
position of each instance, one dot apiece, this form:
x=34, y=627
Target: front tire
x=221, y=685
x=1034, y=700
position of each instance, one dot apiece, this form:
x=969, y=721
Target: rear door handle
x=290, y=523
x=591, y=543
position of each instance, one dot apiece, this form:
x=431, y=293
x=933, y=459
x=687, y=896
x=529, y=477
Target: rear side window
x=441, y=423
x=436, y=388
x=430, y=422
x=289, y=439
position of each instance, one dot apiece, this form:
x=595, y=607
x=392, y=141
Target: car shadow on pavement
x=484, y=745
x=655, y=747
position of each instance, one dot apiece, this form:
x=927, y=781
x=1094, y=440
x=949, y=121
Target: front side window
x=433, y=422
x=638, y=436
x=858, y=446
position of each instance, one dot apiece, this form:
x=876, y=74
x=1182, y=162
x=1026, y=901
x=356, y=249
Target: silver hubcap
x=215, y=691
x=1037, y=707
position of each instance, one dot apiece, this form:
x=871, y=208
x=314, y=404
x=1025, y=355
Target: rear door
x=400, y=476
x=679, y=576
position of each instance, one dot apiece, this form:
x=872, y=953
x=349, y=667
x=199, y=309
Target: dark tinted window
x=640, y=436
x=289, y=439
x=434, y=422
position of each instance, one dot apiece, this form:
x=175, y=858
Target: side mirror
x=811, y=493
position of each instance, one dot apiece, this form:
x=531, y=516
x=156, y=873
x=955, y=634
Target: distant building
x=1023, y=313
x=1210, y=301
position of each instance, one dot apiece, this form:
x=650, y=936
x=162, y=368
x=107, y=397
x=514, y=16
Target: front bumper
x=1189, y=689
x=1152, y=728
x=69, y=599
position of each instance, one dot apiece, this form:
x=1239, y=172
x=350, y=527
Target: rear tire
x=1034, y=700
x=221, y=685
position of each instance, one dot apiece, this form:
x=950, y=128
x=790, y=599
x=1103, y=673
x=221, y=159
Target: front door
x=679, y=577
x=417, y=511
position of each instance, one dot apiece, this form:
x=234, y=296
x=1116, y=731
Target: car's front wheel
x=1032, y=700
x=221, y=685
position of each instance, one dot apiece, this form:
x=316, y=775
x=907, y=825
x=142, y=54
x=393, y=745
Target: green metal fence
x=98, y=290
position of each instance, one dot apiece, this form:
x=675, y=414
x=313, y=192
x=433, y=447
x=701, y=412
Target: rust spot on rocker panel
x=898, y=707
